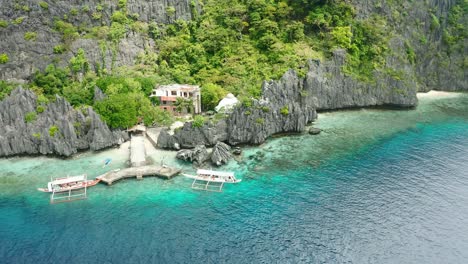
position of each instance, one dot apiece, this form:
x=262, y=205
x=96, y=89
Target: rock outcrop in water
x=29, y=127
x=189, y=136
x=221, y=154
x=198, y=155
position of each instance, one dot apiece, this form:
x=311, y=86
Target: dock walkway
x=137, y=151
x=139, y=173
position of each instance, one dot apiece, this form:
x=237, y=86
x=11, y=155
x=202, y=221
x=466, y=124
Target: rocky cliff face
x=289, y=104
x=430, y=30
x=327, y=85
x=26, y=56
x=30, y=127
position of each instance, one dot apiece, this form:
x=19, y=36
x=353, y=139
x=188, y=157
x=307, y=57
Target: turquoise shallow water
x=375, y=187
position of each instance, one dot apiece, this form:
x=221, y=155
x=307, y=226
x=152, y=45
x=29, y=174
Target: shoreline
x=158, y=155
x=433, y=94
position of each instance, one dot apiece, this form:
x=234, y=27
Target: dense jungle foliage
x=229, y=46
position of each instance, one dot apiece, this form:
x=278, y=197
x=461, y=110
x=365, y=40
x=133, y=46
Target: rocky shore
x=290, y=104
x=29, y=127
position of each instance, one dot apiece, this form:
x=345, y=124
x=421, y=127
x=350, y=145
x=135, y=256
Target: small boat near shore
x=209, y=180
x=68, y=183
x=68, y=189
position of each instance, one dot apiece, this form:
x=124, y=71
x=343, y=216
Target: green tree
x=79, y=63
x=184, y=105
x=119, y=111
x=211, y=94
x=52, y=80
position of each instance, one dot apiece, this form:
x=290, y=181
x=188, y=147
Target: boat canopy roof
x=69, y=179
x=223, y=174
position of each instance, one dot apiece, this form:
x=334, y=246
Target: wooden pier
x=139, y=173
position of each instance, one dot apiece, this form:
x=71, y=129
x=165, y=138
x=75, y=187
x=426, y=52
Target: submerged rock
x=237, y=151
x=221, y=154
x=314, y=131
x=29, y=127
x=198, y=155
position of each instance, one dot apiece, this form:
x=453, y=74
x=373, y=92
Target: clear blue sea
x=377, y=186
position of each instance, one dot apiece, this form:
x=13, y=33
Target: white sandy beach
x=437, y=94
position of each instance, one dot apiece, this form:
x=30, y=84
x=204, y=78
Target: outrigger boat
x=68, y=183
x=68, y=189
x=205, y=178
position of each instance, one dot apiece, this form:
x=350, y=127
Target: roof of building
x=179, y=87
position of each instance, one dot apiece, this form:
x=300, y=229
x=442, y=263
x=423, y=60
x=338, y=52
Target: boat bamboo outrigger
x=209, y=180
x=69, y=188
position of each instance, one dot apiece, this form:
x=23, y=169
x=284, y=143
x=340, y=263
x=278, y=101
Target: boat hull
x=210, y=179
x=72, y=188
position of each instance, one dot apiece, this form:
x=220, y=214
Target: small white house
x=227, y=103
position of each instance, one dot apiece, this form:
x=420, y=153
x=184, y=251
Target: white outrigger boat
x=68, y=188
x=205, y=178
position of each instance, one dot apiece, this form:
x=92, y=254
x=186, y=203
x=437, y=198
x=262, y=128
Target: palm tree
x=184, y=105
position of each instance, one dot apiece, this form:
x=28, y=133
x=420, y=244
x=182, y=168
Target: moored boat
x=204, y=179
x=68, y=184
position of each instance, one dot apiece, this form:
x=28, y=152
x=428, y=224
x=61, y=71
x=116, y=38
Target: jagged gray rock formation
x=198, y=155
x=28, y=56
x=289, y=104
x=221, y=154
x=420, y=26
x=98, y=94
x=189, y=136
x=58, y=130
x=330, y=88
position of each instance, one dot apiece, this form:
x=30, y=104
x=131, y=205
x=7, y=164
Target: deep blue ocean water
x=377, y=186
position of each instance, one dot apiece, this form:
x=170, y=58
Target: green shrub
x=3, y=24
x=53, y=130
x=119, y=17
x=198, y=121
x=44, y=5
x=30, y=36
x=122, y=4
x=265, y=109
x=284, y=110
x=18, y=20
x=4, y=58
x=37, y=135
x=435, y=23
x=97, y=15
x=69, y=32
x=59, y=49
x=410, y=53
x=99, y=8
x=6, y=88
x=170, y=10
x=26, y=8
x=85, y=8
x=260, y=121
x=30, y=117
x=40, y=109
x=41, y=99
x=73, y=12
